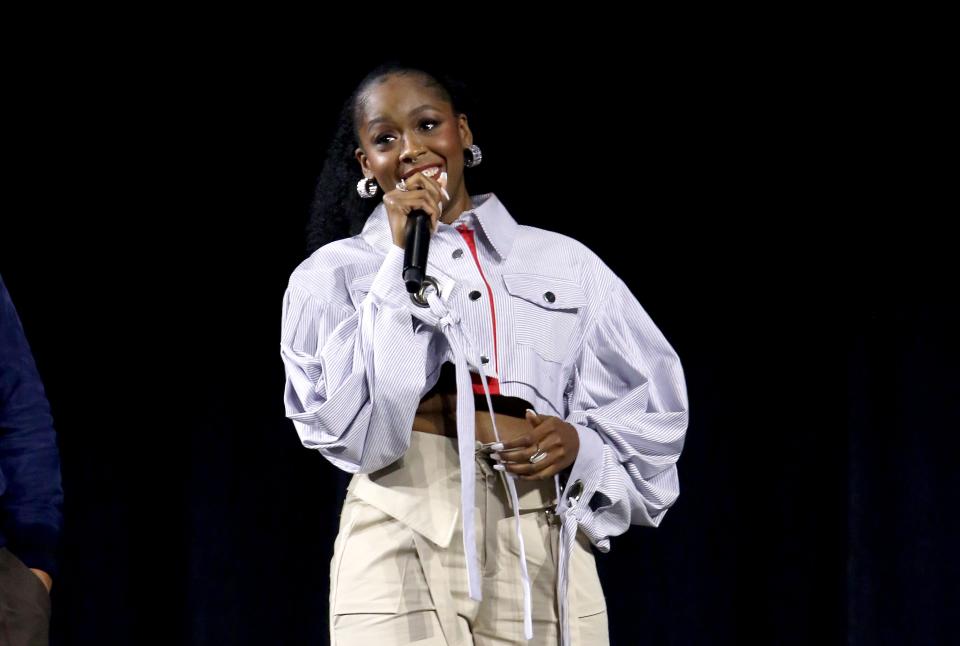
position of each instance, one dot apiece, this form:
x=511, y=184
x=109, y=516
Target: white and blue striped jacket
x=521, y=311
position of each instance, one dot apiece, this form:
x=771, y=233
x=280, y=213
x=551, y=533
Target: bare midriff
x=437, y=413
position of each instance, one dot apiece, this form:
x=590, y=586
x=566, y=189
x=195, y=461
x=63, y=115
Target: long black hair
x=337, y=210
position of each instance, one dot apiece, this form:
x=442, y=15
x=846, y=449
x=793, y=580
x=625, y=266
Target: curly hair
x=337, y=211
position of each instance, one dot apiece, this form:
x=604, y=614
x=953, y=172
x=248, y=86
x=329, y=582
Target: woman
x=518, y=410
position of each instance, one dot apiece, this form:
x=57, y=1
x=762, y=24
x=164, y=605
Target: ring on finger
x=402, y=185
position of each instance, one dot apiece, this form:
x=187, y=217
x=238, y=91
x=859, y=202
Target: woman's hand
x=559, y=439
x=423, y=193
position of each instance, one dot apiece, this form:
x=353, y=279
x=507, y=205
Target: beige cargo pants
x=398, y=573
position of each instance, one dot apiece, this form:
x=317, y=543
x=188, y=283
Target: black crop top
x=447, y=384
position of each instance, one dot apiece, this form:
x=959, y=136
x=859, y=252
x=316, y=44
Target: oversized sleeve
x=628, y=402
x=354, y=375
x=31, y=494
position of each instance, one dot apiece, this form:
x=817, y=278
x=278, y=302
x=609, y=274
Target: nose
x=412, y=149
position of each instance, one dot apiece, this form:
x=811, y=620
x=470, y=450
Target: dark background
x=800, y=267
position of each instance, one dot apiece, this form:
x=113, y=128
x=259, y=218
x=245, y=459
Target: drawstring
x=449, y=323
x=568, y=534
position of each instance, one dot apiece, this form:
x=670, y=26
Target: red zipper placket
x=492, y=382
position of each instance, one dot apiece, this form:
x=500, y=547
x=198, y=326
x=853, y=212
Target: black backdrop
x=157, y=208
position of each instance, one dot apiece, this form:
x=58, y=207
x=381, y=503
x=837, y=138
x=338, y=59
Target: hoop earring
x=472, y=156
x=367, y=187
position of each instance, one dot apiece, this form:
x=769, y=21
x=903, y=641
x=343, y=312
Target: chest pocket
x=546, y=310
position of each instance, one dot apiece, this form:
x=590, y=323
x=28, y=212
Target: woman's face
x=405, y=126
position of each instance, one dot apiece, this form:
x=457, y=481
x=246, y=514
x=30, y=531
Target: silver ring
x=539, y=455
x=402, y=185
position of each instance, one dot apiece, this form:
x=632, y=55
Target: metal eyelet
x=420, y=297
x=576, y=490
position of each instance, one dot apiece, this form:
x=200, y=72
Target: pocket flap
x=546, y=291
x=434, y=518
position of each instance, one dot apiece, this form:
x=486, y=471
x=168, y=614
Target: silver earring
x=472, y=156
x=367, y=187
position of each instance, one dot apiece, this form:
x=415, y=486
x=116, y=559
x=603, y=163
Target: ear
x=466, y=135
x=364, y=163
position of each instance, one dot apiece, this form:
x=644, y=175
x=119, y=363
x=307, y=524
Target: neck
x=458, y=205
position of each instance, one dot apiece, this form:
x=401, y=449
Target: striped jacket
x=521, y=311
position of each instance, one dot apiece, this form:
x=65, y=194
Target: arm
x=628, y=402
x=31, y=496
x=354, y=377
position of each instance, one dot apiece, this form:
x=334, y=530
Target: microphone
x=415, y=251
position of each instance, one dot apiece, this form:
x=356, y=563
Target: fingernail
x=499, y=467
x=497, y=447
x=532, y=412
x=496, y=456
x=443, y=178
x=445, y=194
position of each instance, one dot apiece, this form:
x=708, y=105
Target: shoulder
x=553, y=253
x=329, y=271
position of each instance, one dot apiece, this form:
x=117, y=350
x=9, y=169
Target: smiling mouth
x=430, y=171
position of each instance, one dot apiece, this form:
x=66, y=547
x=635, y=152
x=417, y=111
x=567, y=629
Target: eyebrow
x=377, y=120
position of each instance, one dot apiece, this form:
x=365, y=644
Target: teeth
x=431, y=172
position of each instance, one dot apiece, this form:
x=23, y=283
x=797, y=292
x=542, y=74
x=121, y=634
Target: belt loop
x=552, y=518
x=483, y=464
x=506, y=490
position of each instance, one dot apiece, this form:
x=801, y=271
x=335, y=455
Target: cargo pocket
x=545, y=312
x=377, y=566
x=585, y=584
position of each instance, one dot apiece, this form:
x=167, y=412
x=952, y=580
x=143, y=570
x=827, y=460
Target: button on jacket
x=520, y=311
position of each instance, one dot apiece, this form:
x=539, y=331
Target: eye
x=427, y=124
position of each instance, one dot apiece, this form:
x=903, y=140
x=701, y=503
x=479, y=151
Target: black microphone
x=415, y=252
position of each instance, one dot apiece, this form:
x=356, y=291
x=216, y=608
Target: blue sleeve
x=31, y=497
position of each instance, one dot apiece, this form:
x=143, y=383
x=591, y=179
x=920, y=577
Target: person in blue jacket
x=31, y=496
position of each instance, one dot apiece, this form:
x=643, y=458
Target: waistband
x=432, y=463
x=533, y=495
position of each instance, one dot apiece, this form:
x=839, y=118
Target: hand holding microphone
x=418, y=192
x=413, y=210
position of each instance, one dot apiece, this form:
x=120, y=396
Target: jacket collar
x=498, y=226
